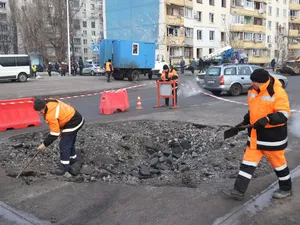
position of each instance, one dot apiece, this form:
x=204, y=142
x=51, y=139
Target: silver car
x=93, y=69
x=233, y=79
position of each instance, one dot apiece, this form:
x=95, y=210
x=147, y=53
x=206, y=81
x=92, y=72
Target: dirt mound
x=138, y=152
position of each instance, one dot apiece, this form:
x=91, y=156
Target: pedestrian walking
x=182, y=65
x=49, y=69
x=269, y=111
x=64, y=122
x=273, y=64
x=56, y=67
x=81, y=65
x=201, y=65
x=63, y=69
x=193, y=65
x=109, y=69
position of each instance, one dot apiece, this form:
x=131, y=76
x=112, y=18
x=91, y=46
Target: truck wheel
x=134, y=76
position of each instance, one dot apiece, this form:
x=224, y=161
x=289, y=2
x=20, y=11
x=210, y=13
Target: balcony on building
x=175, y=36
x=294, y=16
x=294, y=30
x=294, y=45
x=248, y=24
x=175, y=2
x=294, y=4
x=258, y=56
x=249, y=8
x=175, y=15
x=247, y=40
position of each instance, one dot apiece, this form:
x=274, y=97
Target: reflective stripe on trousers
x=250, y=162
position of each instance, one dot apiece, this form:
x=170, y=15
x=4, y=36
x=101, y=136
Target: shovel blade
x=231, y=132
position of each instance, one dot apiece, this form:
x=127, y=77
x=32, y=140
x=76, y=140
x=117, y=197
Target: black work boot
x=280, y=194
x=75, y=168
x=235, y=194
x=61, y=170
x=72, y=161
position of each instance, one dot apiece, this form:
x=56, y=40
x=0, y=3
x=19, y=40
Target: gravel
x=154, y=153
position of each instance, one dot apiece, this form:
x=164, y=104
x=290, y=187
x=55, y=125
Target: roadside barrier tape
x=220, y=98
x=81, y=96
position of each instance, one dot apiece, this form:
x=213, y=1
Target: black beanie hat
x=39, y=104
x=260, y=76
x=165, y=67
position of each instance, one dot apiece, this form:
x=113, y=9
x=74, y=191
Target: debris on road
x=139, y=153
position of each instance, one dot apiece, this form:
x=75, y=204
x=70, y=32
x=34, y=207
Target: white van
x=14, y=67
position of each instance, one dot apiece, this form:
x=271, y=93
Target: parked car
x=234, y=79
x=93, y=69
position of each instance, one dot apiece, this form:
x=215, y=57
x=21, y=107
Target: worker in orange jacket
x=169, y=74
x=64, y=122
x=269, y=111
x=109, y=69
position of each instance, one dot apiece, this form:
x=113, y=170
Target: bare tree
x=43, y=26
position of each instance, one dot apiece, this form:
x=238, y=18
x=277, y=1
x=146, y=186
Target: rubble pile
x=138, y=152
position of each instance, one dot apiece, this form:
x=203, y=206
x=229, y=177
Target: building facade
x=294, y=29
x=5, y=43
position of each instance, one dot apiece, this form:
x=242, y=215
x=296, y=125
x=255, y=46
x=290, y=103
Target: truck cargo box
x=127, y=54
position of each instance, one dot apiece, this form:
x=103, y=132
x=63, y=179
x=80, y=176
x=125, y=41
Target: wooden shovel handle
x=246, y=126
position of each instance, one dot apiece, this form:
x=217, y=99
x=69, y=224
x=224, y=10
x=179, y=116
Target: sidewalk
x=59, y=86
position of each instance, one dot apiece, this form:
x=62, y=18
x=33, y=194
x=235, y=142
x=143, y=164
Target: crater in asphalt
x=156, y=153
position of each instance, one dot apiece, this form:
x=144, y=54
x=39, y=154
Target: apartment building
x=4, y=31
x=294, y=28
x=88, y=24
x=211, y=26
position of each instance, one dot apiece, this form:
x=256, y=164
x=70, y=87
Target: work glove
x=42, y=147
x=262, y=122
x=246, y=121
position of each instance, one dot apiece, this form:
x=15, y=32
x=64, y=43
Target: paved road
x=100, y=203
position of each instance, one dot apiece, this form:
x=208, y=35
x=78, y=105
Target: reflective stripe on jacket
x=165, y=76
x=272, y=102
x=61, y=118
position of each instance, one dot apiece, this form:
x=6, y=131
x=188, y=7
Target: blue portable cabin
x=129, y=58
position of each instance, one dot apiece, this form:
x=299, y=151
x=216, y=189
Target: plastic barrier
x=114, y=100
x=166, y=89
x=18, y=114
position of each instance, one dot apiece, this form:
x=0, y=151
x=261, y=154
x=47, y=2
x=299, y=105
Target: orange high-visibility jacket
x=109, y=67
x=171, y=74
x=270, y=101
x=61, y=118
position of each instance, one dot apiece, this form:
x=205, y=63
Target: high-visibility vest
x=108, y=67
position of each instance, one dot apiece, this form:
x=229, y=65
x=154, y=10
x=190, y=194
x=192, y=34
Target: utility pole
x=68, y=30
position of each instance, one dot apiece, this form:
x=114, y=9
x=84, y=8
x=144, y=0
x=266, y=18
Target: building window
x=199, y=34
x=92, y=6
x=211, y=50
x=83, y=14
x=223, y=3
x=293, y=13
x=188, y=53
x=2, y=5
x=172, y=11
x=247, y=36
x=135, y=49
x=249, y=4
x=211, y=2
x=199, y=1
x=85, y=50
x=93, y=24
x=277, y=11
x=211, y=35
x=76, y=49
x=211, y=18
x=188, y=13
x=84, y=24
x=270, y=11
x=93, y=33
x=223, y=36
x=269, y=39
x=284, y=13
x=85, y=41
x=223, y=19
x=173, y=31
x=270, y=25
x=199, y=16
x=237, y=20
x=188, y=32
x=77, y=41
x=84, y=32
x=199, y=52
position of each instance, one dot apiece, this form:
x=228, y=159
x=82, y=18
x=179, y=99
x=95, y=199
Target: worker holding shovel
x=64, y=122
x=268, y=113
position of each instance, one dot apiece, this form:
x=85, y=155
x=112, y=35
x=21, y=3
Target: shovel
x=30, y=161
x=235, y=130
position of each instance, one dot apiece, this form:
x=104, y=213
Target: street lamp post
x=68, y=30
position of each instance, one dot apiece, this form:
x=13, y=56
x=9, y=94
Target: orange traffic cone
x=139, y=104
